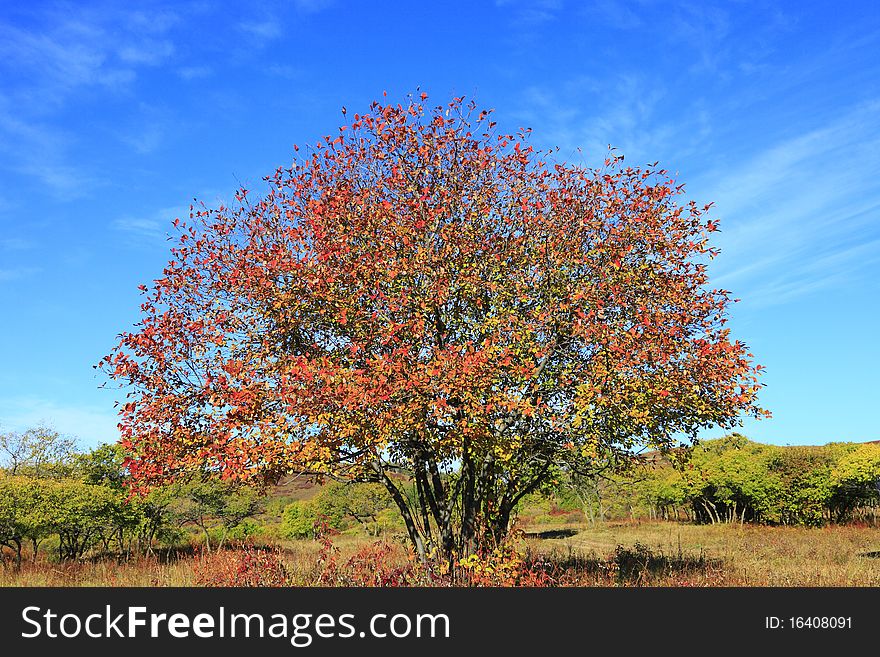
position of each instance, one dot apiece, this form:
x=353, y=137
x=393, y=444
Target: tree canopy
x=421, y=299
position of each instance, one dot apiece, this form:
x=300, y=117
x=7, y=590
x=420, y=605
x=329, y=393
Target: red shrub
x=244, y=566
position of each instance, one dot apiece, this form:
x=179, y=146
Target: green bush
x=298, y=520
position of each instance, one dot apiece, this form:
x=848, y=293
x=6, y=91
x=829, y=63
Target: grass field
x=734, y=555
x=636, y=553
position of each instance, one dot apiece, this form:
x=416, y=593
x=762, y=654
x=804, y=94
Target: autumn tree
x=423, y=302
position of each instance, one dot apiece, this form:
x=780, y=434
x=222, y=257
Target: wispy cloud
x=11, y=248
x=525, y=13
x=803, y=214
x=262, y=31
x=39, y=151
x=73, y=50
x=151, y=228
x=149, y=52
x=145, y=139
x=15, y=244
x=705, y=29
x=590, y=115
x=284, y=71
x=77, y=49
x=312, y=6
x=617, y=14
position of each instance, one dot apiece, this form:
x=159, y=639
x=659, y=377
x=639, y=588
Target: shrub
x=245, y=566
x=298, y=520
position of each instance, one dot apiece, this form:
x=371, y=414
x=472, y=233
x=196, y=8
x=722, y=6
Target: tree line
x=77, y=502
x=63, y=503
x=733, y=479
x=68, y=504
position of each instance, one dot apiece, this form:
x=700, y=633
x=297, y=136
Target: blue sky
x=114, y=116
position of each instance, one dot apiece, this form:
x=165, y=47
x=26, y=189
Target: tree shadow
x=551, y=533
x=638, y=565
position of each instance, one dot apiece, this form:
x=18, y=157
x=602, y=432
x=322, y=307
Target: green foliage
x=855, y=479
x=104, y=465
x=79, y=502
x=367, y=505
x=24, y=512
x=215, y=506
x=67, y=505
x=361, y=502
x=298, y=520
x=735, y=480
x=82, y=515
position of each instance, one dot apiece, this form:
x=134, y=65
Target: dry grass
x=607, y=554
x=748, y=555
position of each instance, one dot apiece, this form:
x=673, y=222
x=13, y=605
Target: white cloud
x=590, y=115
x=15, y=244
x=38, y=150
x=149, y=52
x=142, y=227
x=616, y=13
x=531, y=12
x=312, y=6
x=705, y=29
x=146, y=140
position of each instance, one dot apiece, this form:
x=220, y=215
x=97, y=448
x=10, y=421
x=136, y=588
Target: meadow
x=613, y=553
x=739, y=514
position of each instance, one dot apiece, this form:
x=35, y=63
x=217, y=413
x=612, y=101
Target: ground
x=639, y=553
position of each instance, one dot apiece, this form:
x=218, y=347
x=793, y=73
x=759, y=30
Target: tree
x=134, y=521
x=80, y=514
x=298, y=520
x=421, y=295
x=211, y=503
x=855, y=480
x=23, y=514
x=359, y=501
x=38, y=452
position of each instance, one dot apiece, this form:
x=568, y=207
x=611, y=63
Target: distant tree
x=362, y=502
x=38, y=452
x=422, y=295
x=137, y=521
x=298, y=520
x=804, y=487
x=855, y=480
x=80, y=514
x=24, y=514
x=103, y=465
x=214, y=504
x=733, y=479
